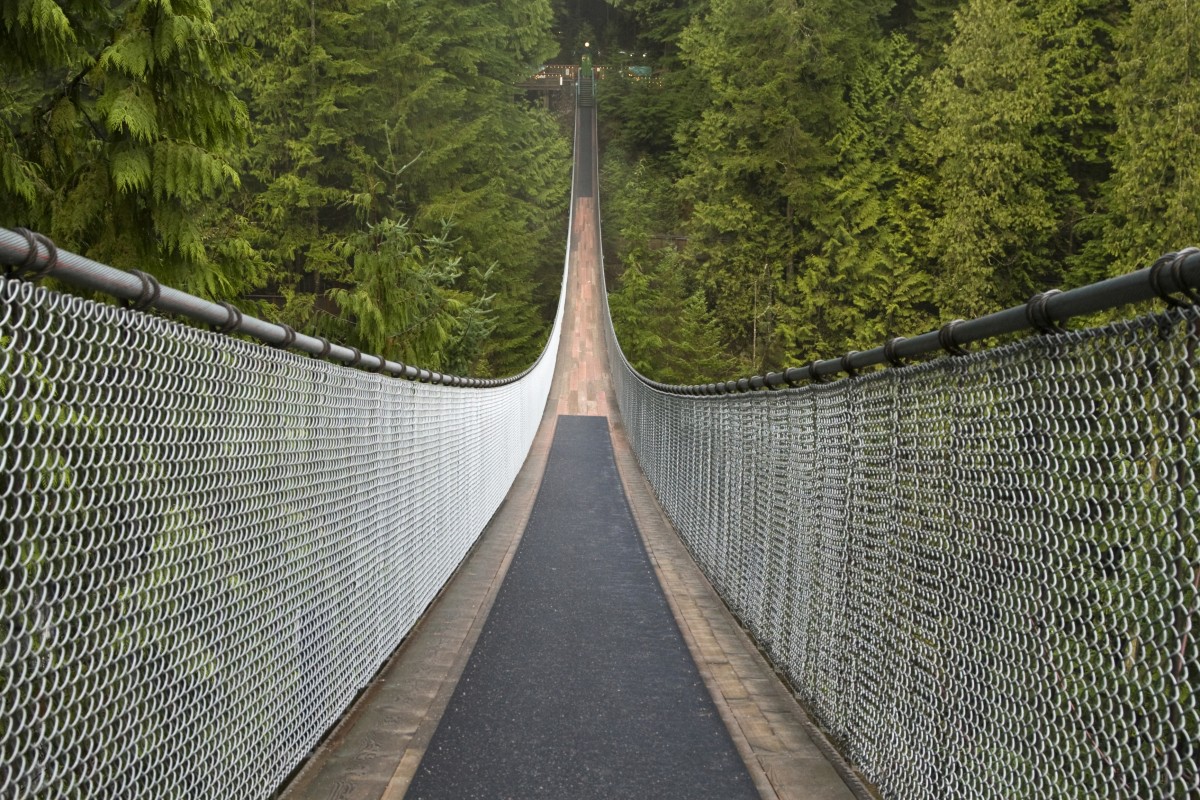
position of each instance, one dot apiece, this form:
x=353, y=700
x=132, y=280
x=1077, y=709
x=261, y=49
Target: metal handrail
x=34, y=256
x=1173, y=274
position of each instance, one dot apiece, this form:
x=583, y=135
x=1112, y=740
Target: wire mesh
x=209, y=546
x=980, y=573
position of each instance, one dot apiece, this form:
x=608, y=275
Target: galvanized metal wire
x=210, y=546
x=981, y=573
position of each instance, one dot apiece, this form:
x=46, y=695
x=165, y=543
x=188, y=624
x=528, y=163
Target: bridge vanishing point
x=232, y=571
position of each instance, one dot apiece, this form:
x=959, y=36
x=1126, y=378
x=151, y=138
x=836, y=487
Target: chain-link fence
x=210, y=546
x=981, y=573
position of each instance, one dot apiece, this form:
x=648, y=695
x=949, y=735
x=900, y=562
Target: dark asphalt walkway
x=580, y=685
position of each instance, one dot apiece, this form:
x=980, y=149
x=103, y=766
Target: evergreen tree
x=930, y=26
x=664, y=329
x=864, y=282
x=661, y=22
x=757, y=157
x=499, y=171
x=118, y=130
x=996, y=180
x=317, y=170
x=1078, y=40
x=403, y=303
x=376, y=116
x=1153, y=198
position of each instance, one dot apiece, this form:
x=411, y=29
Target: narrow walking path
x=580, y=685
x=579, y=652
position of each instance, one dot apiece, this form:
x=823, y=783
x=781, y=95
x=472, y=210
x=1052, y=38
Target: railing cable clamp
x=28, y=269
x=889, y=351
x=233, y=319
x=1038, y=315
x=289, y=337
x=1170, y=266
x=947, y=341
x=845, y=364
x=151, y=290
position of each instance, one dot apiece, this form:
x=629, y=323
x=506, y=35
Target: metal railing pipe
x=1173, y=274
x=34, y=255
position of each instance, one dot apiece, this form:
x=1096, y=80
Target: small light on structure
x=587, y=44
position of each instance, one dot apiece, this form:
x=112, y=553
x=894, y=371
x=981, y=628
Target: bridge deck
x=580, y=685
x=400, y=734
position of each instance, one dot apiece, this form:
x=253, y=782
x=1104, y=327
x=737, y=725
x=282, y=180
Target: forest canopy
x=814, y=177
x=794, y=181
x=360, y=169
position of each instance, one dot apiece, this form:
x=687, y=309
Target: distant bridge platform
x=551, y=78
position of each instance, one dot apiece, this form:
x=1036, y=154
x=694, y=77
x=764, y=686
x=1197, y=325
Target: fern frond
x=130, y=170
x=131, y=55
x=46, y=20
x=18, y=177
x=185, y=172
x=131, y=110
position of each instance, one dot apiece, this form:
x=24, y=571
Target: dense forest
x=795, y=180
x=358, y=169
x=802, y=179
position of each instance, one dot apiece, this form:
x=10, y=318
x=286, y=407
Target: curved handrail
x=1176, y=273
x=35, y=257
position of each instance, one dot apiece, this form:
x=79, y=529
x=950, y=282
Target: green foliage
x=261, y=151
x=755, y=160
x=661, y=316
x=118, y=130
x=987, y=108
x=403, y=303
x=661, y=22
x=664, y=327
x=844, y=172
x=369, y=111
x=862, y=283
x=637, y=203
x=1153, y=199
x=643, y=116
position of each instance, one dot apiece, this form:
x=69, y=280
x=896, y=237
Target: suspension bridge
x=286, y=568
